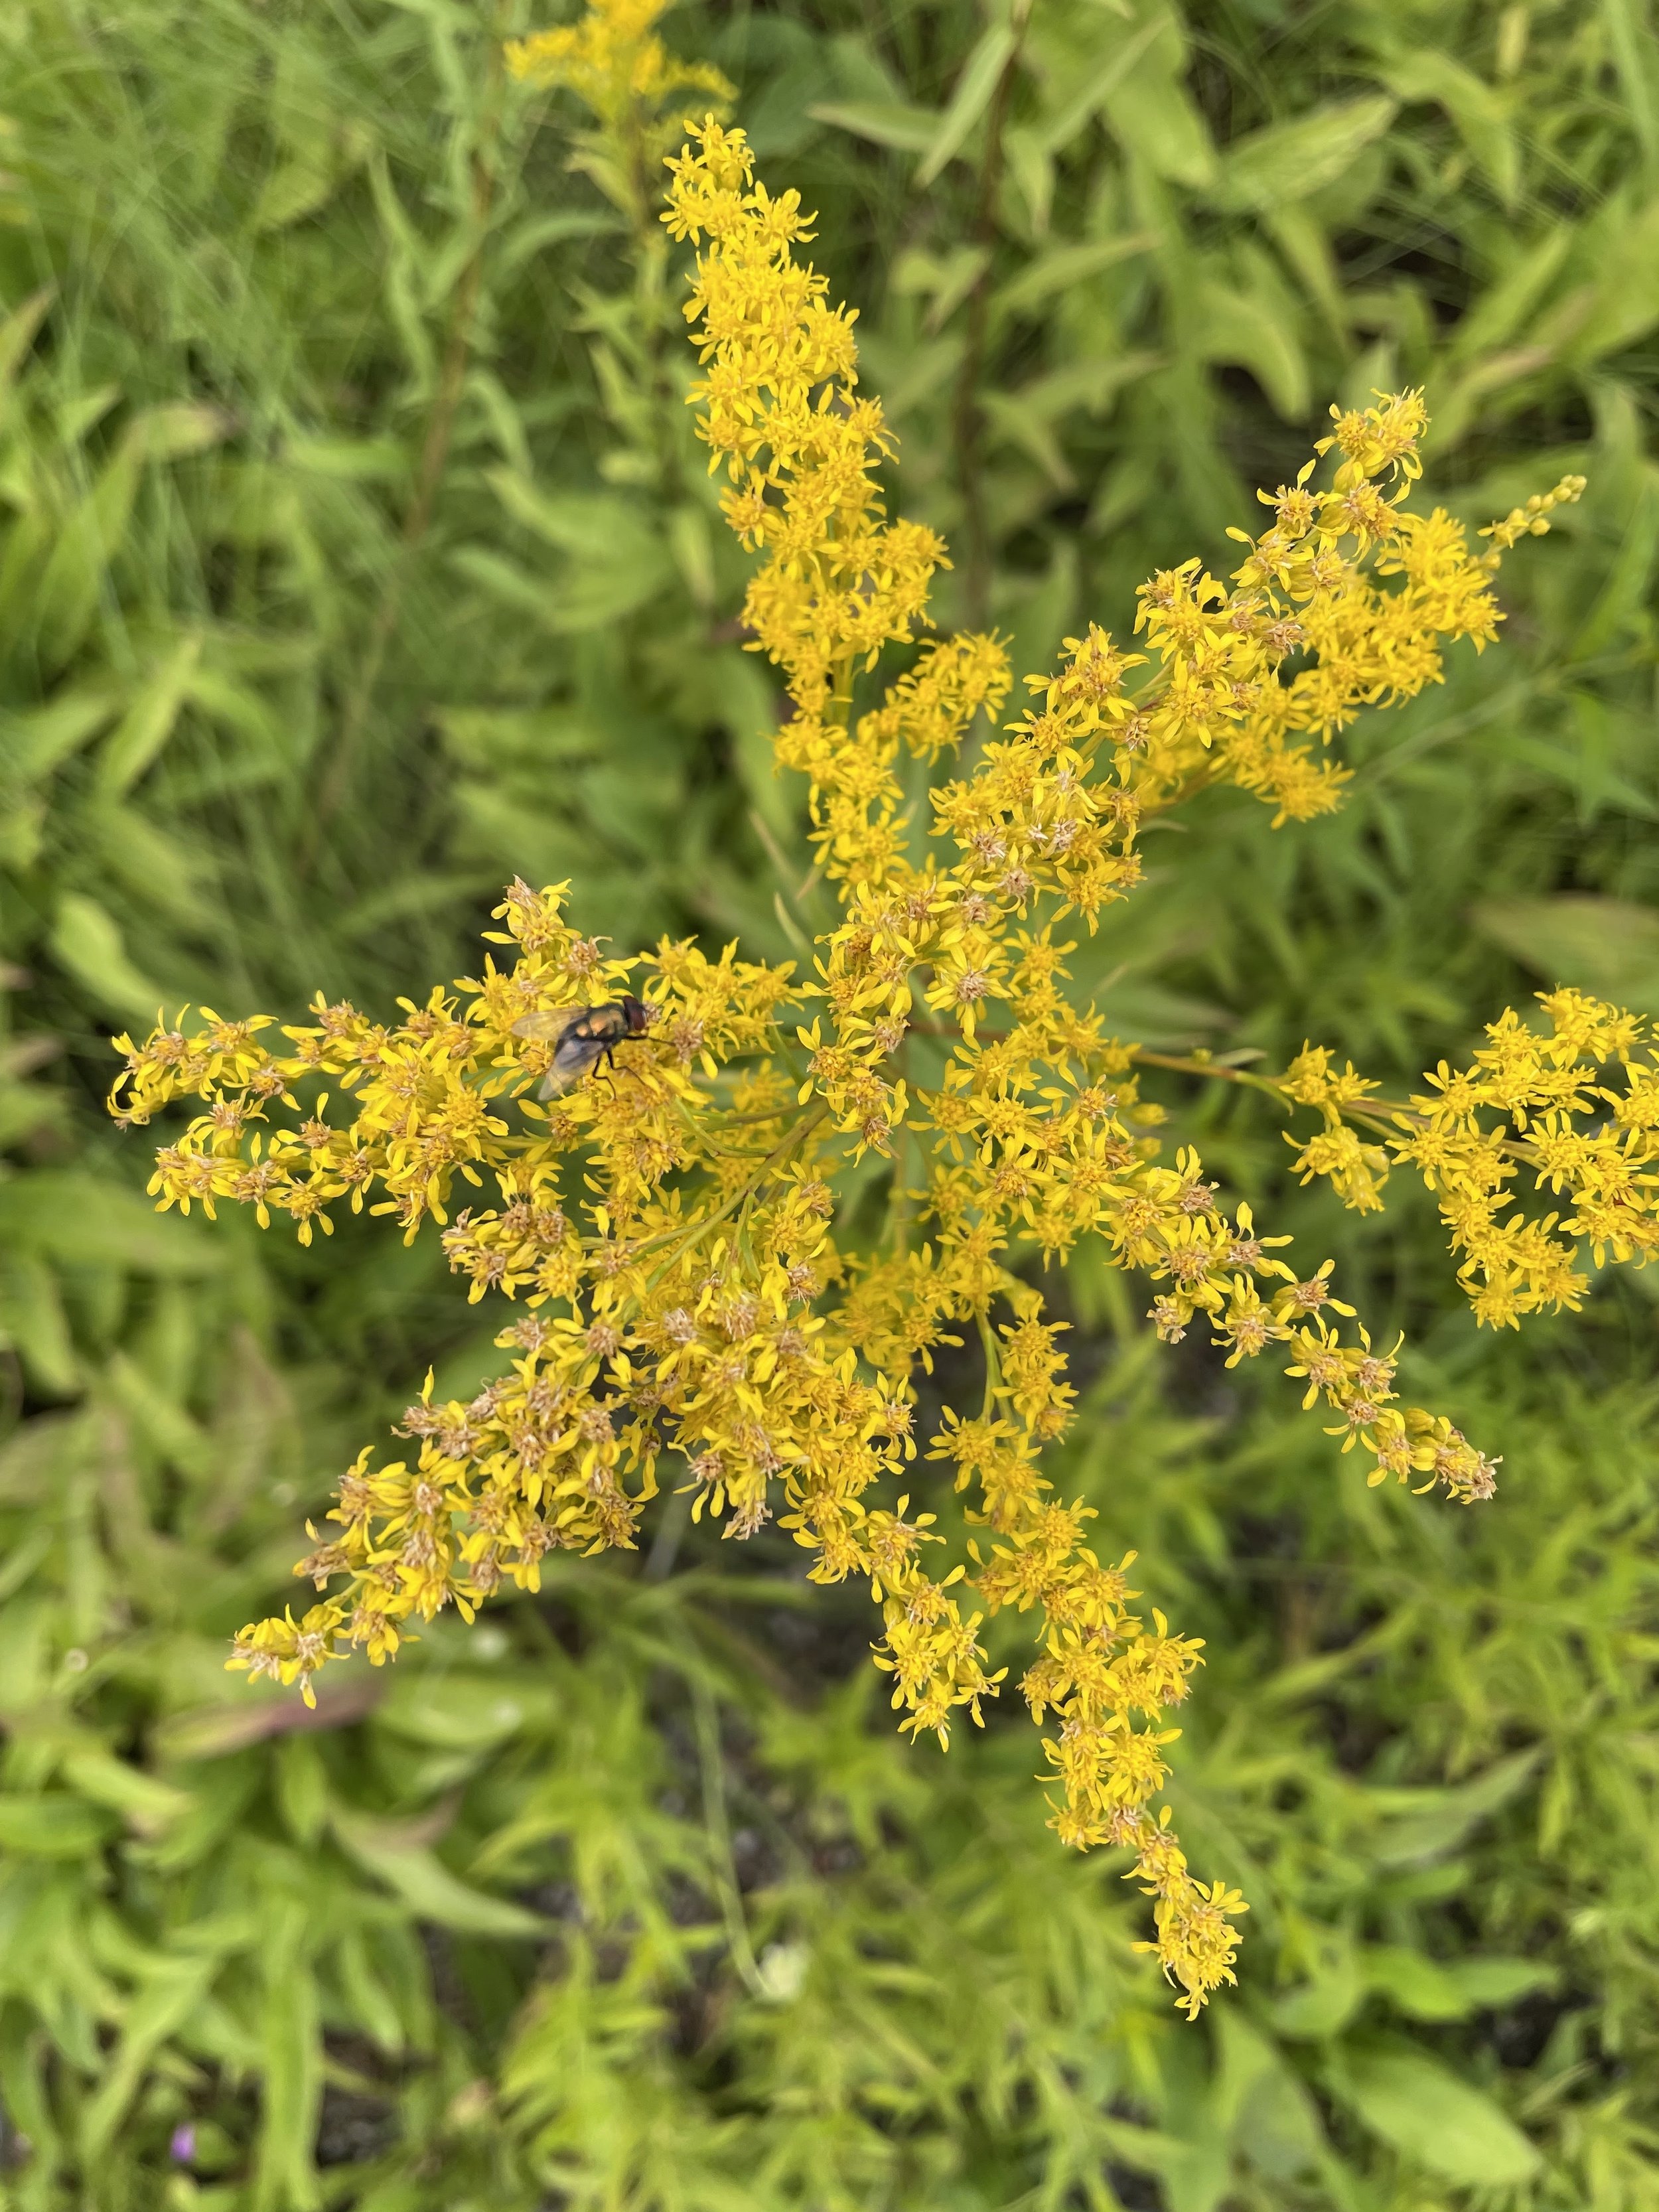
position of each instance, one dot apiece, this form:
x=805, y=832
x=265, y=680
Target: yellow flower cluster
x=614, y=61
x=666, y=1227
x=779, y=406
x=1358, y=1171
x=1532, y=1102
x=1312, y=585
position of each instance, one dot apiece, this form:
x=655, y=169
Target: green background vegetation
x=356, y=555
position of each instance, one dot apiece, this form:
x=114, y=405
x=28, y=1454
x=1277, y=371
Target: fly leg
x=607, y=1058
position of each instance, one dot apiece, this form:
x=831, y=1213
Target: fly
x=585, y=1037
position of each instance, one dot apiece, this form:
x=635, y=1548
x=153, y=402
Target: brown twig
x=215, y=1731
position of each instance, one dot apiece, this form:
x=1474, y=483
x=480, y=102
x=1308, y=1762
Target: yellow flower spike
x=614, y=61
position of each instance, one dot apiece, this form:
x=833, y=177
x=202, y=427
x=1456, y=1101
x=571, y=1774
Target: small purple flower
x=182, y=2149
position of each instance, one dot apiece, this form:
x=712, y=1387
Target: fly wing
x=559, y=1079
x=572, y=1056
x=549, y=1026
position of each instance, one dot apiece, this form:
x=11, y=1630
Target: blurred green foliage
x=354, y=554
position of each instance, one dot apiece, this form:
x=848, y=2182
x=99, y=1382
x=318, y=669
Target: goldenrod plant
x=357, y=555
x=701, y=1309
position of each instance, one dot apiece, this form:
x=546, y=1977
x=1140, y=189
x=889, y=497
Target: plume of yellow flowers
x=1531, y=1101
x=689, y=1304
x=614, y=61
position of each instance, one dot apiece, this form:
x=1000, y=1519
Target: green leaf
x=1627, y=594
x=1495, y=1981
x=148, y=724
x=67, y=592
x=1477, y=111
x=619, y=560
x=87, y=940
x=1253, y=331
x=1031, y=168
x=1196, y=2172
x=592, y=524
x=1447, y=1816
x=1416, y=1984
x=171, y=1994
x=910, y=129
x=1496, y=318
x=944, y=282
x=590, y=597
x=179, y=428
x=1631, y=34
x=292, y=2071
x=79, y=412
x=55, y=1826
x=302, y=1787
x=1062, y=268
x=296, y=190
x=17, y=334
x=552, y=227
x=79, y=1219
x=148, y=1805
x=349, y=461
x=991, y=55
x=1090, y=384
x=1289, y=161
x=1606, y=946
x=1022, y=427
x=428, y=1888
x=505, y=581
x=1325, y=2004
x=1620, y=303
x=1152, y=114
x=1434, y=2120
x=1261, y=2103
x=488, y=737
x=32, y=1322
x=1084, y=99
x=36, y=742
x=457, y=1712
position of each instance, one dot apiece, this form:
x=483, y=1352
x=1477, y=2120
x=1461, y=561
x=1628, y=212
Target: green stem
x=711, y=1761
x=993, y=1367
x=693, y=1235
x=739, y=1121
x=1183, y=1065
x=1384, y=1115
x=898, y=1200
x=671, y=1525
